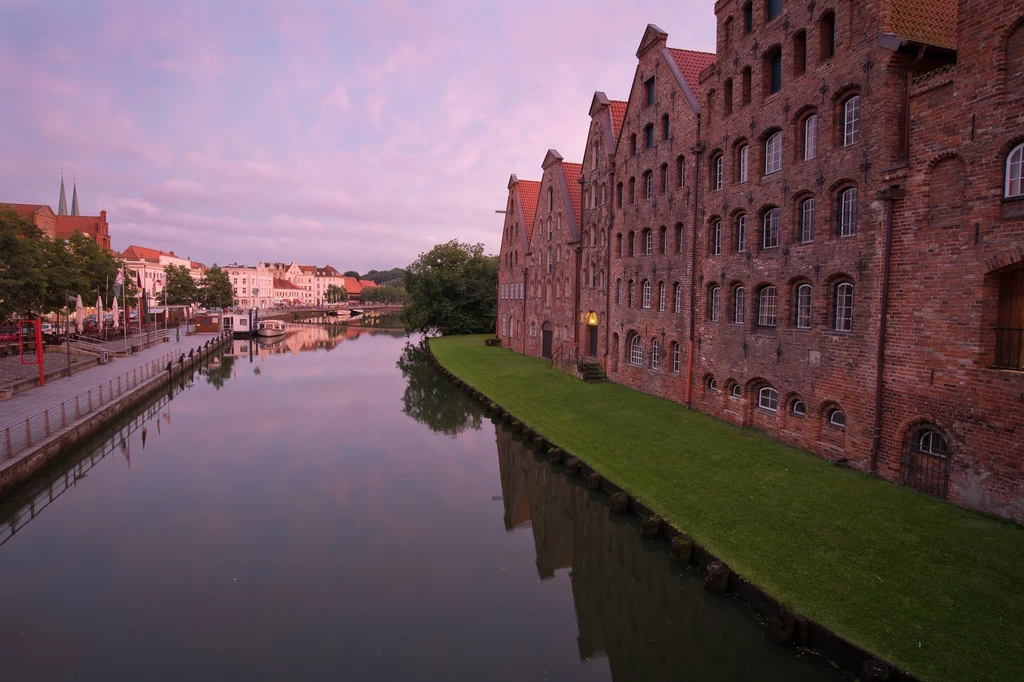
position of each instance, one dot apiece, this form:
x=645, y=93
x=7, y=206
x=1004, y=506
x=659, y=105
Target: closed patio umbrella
x=79, y=314
x=99, y=312
x=114, y=311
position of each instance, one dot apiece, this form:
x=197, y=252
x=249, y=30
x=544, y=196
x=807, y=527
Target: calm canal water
x=328, y=509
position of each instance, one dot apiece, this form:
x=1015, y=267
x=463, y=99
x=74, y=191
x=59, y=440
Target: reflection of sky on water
x=295, y=524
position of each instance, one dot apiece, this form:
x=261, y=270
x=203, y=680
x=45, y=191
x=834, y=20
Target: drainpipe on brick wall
x=697, y=151
x=526, y=295
x=608, y=284
x=579, y=260
x=889, y=196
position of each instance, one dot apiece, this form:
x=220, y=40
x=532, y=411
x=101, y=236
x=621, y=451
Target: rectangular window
x=649, y=136
x=844, y=307
x=675, y=358
x=776, y=76
x=746, y=85
x=678, y=306
x=773, y=154
x=649, y=185
x=800, y=53
x=649, y=90
x=716, y=238
x=766, y=308
x=848, y=212
x=744, y=162
x=719, y=171
x=771, y=229
x=748, y=18
x=741, y=234
x=661, y=298
x=773, y=8
x=807, y=221
x=714, y=303
x=810, y=137
x=851, y=121
x=803, y=306
x=739, y=306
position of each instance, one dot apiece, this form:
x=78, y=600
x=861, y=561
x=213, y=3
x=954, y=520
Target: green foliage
x=452, y=290
x=428, y=396
x=397, y=282
x=179, y=287
x=216, y=376
x=351, y=273
x=336, y=294
x=215, y=289
x=926, y=585
x=385, y=276
x=390, y=295
x=23, y=284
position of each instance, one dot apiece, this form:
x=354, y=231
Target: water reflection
x=429, y=398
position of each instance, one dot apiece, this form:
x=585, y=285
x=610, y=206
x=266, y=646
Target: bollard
x=716, y=577
x=619, y=503
x=874, y=671
x=650, y=527
x=594, y=480
x=556, y=454
x=572, y=465
x=681, y=549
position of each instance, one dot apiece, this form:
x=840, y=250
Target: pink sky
x=357, y=134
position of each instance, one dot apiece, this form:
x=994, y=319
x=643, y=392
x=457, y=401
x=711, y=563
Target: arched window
x=632, y=243
x=1014, y=186
x=681, y=170
x=770, y=229
x=767, y=303
x=679, y=236
x=663, y=239
x=743, y=160
x=632, y=144
x=618, y=291
x=618, y=190
x=618, y=244
x=714, y=302
x=715, y=238
x=851, y=121
x=798, y=409
x=739, y=305
x=648, y=242
x=740, y=238
x=551, y=232
x=735, y=391
x=748, y=17
x=648, y=185
x=632, y=191
x=728, y=97
x=649, y=135
x=675, y=357
x=593, y=195
x=664, y=127
x=925, y=462
x=664, y=178
x=773, y=70
x=811, y=137
x=636, y=351
x=551, y=202
x=629, y=293
x=717, y=172
x=848, y=212
x=711, y=384
x=802, y=306
x=837, y=418
x=646, y=290
x=843, y=307
x=655, y=354
x=768, y=399
x=773, y=153
x=806, y=231
x=827, y=34
x=677, y=296
x=661, y=297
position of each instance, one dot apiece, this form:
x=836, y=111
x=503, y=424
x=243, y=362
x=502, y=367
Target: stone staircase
x=591, y=372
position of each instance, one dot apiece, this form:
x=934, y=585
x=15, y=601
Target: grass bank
x=934, y=589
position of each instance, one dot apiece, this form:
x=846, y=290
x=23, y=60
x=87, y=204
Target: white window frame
x=646, y=294
x=926, y=442
x=682, y=171
x=811, y=137
x=803, y=306
x=636, y=351
x=648, y=242
x=504, y=325
x=675, y=357
x=768, y=399
x=741, y=233
x=773, y=153
x=837, y=423
x=851, y=121
x=798, y=412
x=1013, y=186
x=678, y=296
x=843, y=310
x=735, y=391
x=716, y=238
x=807, y=220
x=631, y=292
x=661, y=297
x=767, y=307
x=770, y=229
x=712, y=384
x=744, y=163
x=714, y=303
x=649, y=185
x=719, y=170
x=848, y=212
x=655, y=354
x=739, y=305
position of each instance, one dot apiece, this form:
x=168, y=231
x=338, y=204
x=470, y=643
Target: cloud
x=336, y=98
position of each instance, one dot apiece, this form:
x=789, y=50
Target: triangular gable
x=601, y=109
x=573, y=192
x=653, y=37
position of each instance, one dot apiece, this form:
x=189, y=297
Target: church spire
x=62, y=205
x=74, y=199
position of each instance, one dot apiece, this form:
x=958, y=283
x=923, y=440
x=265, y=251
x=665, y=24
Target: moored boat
x=268, y=328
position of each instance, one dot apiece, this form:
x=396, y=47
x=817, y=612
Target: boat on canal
x=270, y=328
x=237, y=324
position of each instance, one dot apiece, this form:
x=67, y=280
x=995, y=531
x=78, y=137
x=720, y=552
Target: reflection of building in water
x=652, y=620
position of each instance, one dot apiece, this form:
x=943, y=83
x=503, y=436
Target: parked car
x=8, y=334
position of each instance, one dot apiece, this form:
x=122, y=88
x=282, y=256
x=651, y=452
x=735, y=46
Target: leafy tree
x=395, y=295
x=452, y=290
x=430, y=399
x=216, y=376
x=336, y=294
x=215, y=289
x=23, y=282
x=351, y=273
x=179, y=287
x=397, y=282
x=97, y=269
x=385, y=276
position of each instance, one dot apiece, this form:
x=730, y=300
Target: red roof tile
x=352, y=286
x=367, y=284
x=283, y=284
x=618, y=110
x=142, y=253
x=308, y=269
x=25, y=210
x=572, y=178
x=690, y=64
x=529, y=196
x=932, y=22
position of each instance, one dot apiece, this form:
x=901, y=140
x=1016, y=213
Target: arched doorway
x=547, y=335
x=592, y=334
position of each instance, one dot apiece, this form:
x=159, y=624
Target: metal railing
x=1009, y=348
x=25, y=433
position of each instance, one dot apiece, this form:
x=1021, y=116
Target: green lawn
x=934, y=589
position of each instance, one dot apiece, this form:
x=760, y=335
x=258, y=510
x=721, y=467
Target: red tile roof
x=328, y=271
x=352, y=286
x=25, y=210
x=141, y=253
x=572, y=178
x=618, y=110
x=932, y=22
x=308, y=269
x=283, y=284
x=529, y=195
x=690, y=64
x=367, y=284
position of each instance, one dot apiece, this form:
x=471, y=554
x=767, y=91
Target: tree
x=385, y=276
x=428, y=397
x=336, y=294
x=22, y=272
x=452, y=290
x=179, y=287
x=215, y=289
x=391, y=295
x=351, y=273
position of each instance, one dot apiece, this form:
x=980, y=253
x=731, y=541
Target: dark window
x=748, y=17
x=773, y=8
x=1010, y=321
x=649, y=135
x=632, y=191
x=664, y=127
x=799, y=53
x=632, y=144
x=827, y=30
x=649, y=90
x=925, y=463
x=618, y=190
x=773, y=70
x=681, y=169
x=728, y=97
x=746, y=85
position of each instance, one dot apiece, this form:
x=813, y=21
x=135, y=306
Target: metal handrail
x=24, y=433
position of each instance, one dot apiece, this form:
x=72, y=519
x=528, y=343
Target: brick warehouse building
x=839, y=302
x=513, y=271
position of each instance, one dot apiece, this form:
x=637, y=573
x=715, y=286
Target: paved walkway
x=24, y=405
